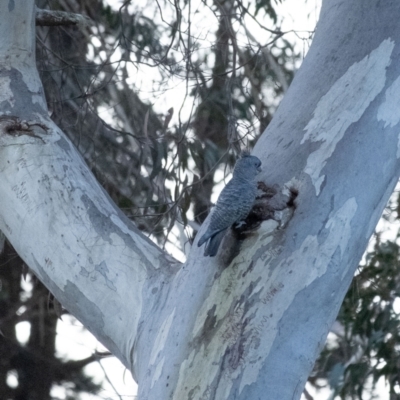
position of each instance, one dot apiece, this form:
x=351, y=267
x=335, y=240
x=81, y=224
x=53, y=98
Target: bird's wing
x=234, y=203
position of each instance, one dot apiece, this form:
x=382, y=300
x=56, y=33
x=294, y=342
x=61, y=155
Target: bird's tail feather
x=213, y=245
x=203, y=239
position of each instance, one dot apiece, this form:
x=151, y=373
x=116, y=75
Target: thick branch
x=60, y=18
x=55, y=214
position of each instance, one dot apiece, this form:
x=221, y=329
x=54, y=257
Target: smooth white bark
x=247, y=328
x=54, y=212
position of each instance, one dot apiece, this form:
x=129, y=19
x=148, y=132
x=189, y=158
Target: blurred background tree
x=159, y=98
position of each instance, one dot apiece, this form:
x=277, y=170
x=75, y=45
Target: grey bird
x=234, y=203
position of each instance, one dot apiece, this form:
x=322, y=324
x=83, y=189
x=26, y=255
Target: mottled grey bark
x=243, y=328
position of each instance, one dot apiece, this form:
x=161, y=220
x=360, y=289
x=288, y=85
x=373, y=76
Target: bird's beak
x=259, y=169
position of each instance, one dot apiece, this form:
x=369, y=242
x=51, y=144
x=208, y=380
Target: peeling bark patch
x=157, y=372
x=209, y=324
x=28, y=88
x=344, y=104
x=221, y=337
x=236, y=358
x=113, y=226
x=93, y=315
x=103, y=270
x=82, y=308
x=161, y=337
x=97, y=219
x=6, y=93
x=388, y=112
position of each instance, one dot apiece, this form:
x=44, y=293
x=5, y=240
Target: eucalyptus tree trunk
x=247, y=326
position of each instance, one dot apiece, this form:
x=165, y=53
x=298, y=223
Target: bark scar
x=13, y=126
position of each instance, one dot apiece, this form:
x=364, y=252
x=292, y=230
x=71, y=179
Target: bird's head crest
x=244, y=153
x=247, y=164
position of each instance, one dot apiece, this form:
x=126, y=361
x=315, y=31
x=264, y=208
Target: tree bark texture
x=247, y=326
